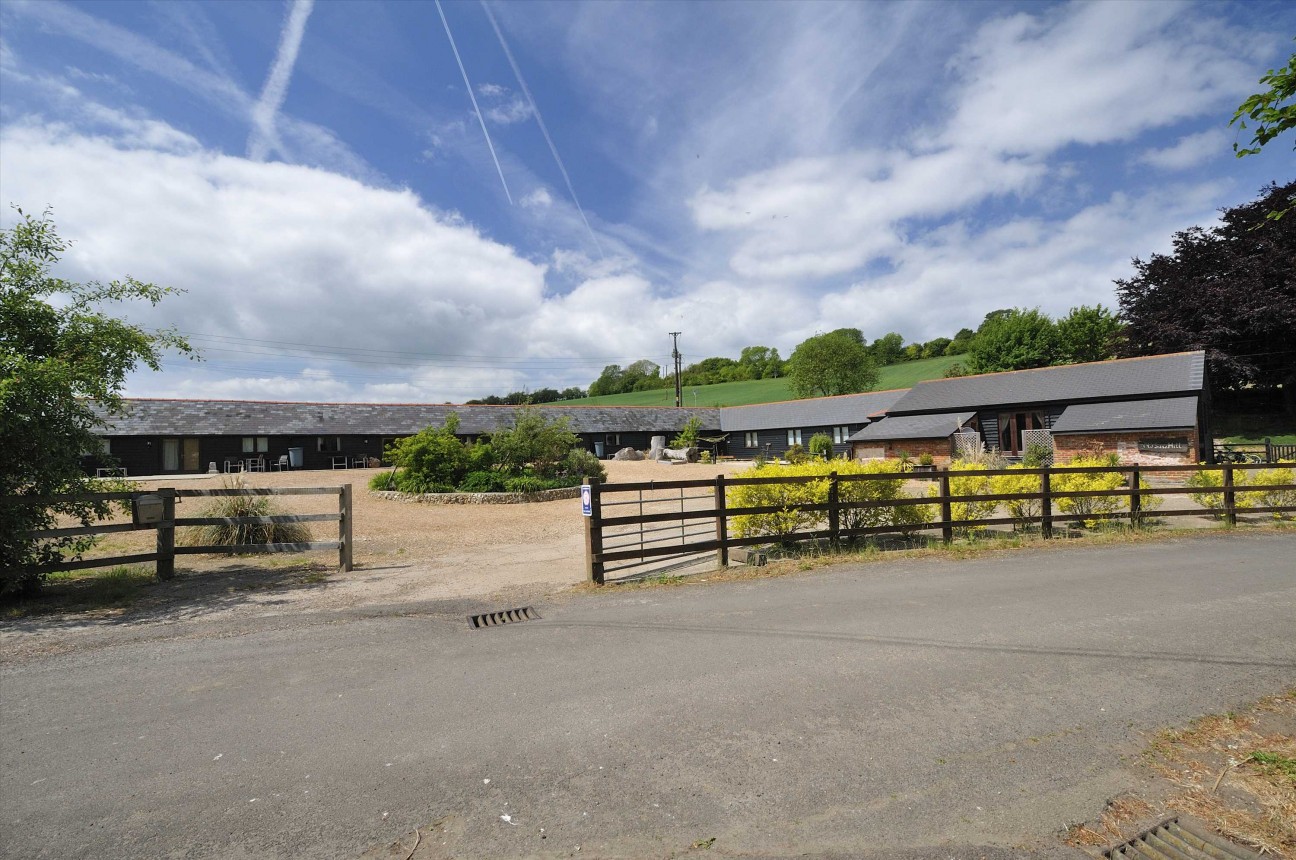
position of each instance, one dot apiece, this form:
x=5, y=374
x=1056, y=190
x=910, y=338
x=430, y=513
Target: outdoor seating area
x=248, y=464
x=350, y=461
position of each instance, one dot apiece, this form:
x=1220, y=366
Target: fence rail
x=163, y=557
x=607, y=549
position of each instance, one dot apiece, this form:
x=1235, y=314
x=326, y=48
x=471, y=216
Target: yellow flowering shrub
x=1270, y=498
x=1022, y=510
x=968, y=485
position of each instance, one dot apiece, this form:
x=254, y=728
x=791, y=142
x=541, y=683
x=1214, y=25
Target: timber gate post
x=594, y=536
x=1230, y=500
x=166, y=534
x=1046, y=503
x=345, y=529
x=834, y=514
x=722, y=522
x=1136, y=499
x=947, y=515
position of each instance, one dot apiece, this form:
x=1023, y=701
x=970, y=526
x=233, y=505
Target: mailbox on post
x=147, y=509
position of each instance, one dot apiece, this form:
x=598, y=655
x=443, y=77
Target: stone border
x=479, y=498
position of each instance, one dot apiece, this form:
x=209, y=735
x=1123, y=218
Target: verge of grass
x=114, y=588
x=1236, y=772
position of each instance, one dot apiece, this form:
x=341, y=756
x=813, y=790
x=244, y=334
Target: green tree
x=1014, y=340
x=961, y=342
x=1088, y=334
x=761, y=362
x=1273, y=112
x=832, y=363
x=434, y=460
x=935, y=347
x=888, y=348
x=1230, y=290
x=534, y=444
x=688, y=434
x=59, y=353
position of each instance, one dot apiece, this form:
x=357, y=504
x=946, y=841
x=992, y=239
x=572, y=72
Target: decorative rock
x=627, y=454
x=656, y=448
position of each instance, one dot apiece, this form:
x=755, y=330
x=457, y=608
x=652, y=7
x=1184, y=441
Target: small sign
x=587, y=500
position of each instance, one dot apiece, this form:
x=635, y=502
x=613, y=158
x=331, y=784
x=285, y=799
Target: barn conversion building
x=1142, y=407
x=1156, y=406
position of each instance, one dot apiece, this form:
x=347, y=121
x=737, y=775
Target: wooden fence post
x=344, y=529
x=834, y=515
x=947, y=515
x=1230, y=503
x=594, y=536
x=1269, y=452
x=722, y=522
x=166, y=535
x=1046, y=503
x=1136, y=500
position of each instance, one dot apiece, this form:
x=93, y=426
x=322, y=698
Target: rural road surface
x=917, y=709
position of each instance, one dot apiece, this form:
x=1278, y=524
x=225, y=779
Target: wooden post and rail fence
x=163, y=557
x=599, y=554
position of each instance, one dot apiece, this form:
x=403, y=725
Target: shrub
x=238, y=534
x=795, y=454
x=1084, y=507
x=1213, y=480
x=821, y=446
x=532, y=484
x=580, y=464
x=790, y=519
x=431, y=460
x=926, y=459
x=688, y=436
x=969, y=485
x=1269, y=498
x=533, y=445
x=383, y=481
x=482, y=482
x=1021, y=510
x=904, y=517
x=481, y=457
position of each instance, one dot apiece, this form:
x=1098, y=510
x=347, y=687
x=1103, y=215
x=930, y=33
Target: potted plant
x=926, y=463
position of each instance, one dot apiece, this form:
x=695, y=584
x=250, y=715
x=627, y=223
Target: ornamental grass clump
x=242, y=534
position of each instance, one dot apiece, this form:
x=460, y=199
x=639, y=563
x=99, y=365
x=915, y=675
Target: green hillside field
x=902, y=375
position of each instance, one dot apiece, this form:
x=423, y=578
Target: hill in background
x=902, y=375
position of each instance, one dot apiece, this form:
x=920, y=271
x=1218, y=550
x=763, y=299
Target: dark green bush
x=580, y=464
x=431, y=459
x=821, y=445
x=534, y=444
x=482, y=482
x=533, y=484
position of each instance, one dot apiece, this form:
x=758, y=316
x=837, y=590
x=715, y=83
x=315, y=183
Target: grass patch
x=903, y=375
x=239, y=534
x=1236, y=772
x=1248, y=429
x=115, y=588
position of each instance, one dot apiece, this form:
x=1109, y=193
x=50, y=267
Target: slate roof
x=261, y=418
x=815, y=412
x=939, y=426
x=1125, y=379
x=1174, y=413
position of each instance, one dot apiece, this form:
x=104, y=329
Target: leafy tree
x=935, y=347
x=709, y=371
x=1014, y=340
x=832, y=363
x=58, y=352
x=821, y=446
x=762, y=362
x=688, y=435
x=433, y=460
x=1088, y=334
x=1272, y=111
x=961, y=342
x=1229, y=289
x=534, y=444
x=888, y=348
x=609, y=381
x=573, y=393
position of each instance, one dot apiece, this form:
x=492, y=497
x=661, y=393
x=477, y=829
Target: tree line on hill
x=1229, y=290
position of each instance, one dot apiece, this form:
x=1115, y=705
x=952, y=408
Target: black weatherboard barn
x=769, y=429
x=171, y=436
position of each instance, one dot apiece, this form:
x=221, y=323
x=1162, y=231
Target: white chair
x=254, y=464
x=233, y=466
x=281, y=464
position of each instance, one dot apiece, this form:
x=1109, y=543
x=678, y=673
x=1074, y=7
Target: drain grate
x=1179, y=840
x=507, y=616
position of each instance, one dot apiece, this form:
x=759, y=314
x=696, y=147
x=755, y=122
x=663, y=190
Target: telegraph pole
x=675, y=353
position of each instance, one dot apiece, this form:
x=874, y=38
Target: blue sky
x=317, y=179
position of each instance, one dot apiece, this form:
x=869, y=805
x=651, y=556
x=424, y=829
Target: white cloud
x=538, y=199
x=491, y=90
x=1190, y=151
x=513, y=111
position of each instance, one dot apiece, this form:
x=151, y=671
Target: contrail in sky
x=517, y=73
x=477, y=110
x=264, y=135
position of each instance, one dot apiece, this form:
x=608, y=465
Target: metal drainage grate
x=495, y=619
x=1179, y=840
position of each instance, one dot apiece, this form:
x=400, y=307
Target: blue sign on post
x=587, y=500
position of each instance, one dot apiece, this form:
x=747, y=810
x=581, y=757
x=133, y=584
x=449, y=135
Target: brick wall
x=1125, y=445
x=940, y=449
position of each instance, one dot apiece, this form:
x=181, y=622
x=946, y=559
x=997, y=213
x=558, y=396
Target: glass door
x=170, y=455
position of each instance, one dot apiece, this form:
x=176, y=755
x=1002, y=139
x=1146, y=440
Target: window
x=328, y=443
x=751, y=439
x=612, y=439
x=840, y=435
x=256, y=444
x=794, y=437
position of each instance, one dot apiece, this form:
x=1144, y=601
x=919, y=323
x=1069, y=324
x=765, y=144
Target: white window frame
x=751, y=439
x=256, y=444
x=794, y=437
x=840, y=435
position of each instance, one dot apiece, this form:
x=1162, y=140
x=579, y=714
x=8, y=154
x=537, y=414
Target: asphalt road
x=919, y=708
